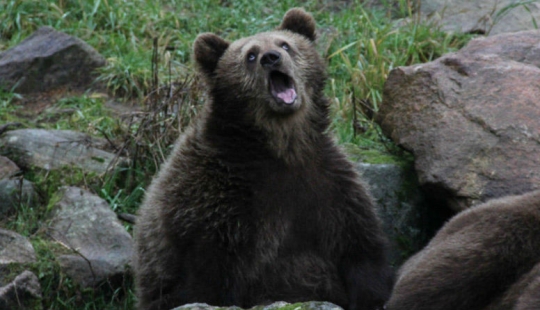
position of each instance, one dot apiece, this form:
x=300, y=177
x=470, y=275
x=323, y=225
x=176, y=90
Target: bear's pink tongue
x=288, y=95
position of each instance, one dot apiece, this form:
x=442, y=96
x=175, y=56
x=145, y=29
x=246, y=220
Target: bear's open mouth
x=282, y=87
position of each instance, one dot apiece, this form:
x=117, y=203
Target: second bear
x=487, y=257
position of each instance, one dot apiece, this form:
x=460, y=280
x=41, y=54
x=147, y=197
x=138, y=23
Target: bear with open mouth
x=256, y=203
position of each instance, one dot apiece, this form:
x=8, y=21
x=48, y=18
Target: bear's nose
x=271, y=59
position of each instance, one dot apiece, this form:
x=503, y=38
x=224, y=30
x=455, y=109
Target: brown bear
x=529, y=297
x=484, y=258
x=524, y=294
x=256, y=203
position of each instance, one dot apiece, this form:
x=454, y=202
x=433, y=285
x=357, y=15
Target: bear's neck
x=293, y=140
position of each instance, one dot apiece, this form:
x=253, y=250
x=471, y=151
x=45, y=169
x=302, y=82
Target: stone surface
x=311, y=305
x=15, y=193
x=400, y=205
x=487, y=16
x=471, y=119
x=48, y=59
x=53, y=149
x=7, y=168
x=15, y=249
x=24, y=292
x=101, y=246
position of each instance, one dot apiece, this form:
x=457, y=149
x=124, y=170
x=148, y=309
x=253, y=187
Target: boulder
x=487, y=16
x=85, y=224
x=471, y=119
x=24, y=292
x=15, y=249
x=7, y=168
x=54, y=149
x=48, y=59
x=15, y=193
x=401, y=206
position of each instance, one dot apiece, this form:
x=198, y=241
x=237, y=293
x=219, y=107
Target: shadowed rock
x=16, y=193
x=400, y=205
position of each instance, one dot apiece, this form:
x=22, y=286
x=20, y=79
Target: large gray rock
x=311, y=305
x=487, y=16
x=101, y=246
x=15, y=249
x=24, y=292
x=16, y=193
x=471, y=119
x=53, y=149
x=48, y=59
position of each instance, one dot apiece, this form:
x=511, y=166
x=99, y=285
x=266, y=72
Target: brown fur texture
x=256, y=203
x=529, y=298
x=484, y=258
x=524, y=294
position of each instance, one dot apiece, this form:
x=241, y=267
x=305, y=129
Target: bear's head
x=272, y=74
x=267, y=88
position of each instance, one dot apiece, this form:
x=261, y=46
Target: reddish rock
x=471, y=118
x=7, y=168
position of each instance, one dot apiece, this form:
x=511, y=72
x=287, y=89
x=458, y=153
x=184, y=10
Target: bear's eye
x=285, y=46
x=251, y=57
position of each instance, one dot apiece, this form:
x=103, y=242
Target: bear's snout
x=271, y=59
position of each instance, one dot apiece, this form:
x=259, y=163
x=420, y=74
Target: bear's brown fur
x=256, y=203
x=484, y=258
x=524, y=294
x=529, y=297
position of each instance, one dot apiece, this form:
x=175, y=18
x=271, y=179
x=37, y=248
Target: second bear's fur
x=485, y=258
x=256, y=203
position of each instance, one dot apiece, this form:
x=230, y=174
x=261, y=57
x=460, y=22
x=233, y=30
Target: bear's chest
x=290, y=191
x=289, y=206
x=270, y=209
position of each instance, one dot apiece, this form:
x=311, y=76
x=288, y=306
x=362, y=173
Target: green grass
x=8, y=105
x=82, y=113
x=362, y=47
x=366, y=47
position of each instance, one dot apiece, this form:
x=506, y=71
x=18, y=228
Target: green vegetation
x=148, y=47
x=363, y=46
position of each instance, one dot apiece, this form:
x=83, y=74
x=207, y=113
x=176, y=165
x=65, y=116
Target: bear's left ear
x=208, y=49
x=299, y=21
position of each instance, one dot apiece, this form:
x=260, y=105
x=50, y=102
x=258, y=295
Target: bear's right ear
x=299, y=21
x=208, y=49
